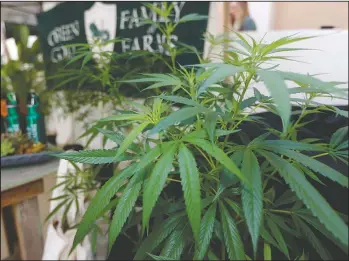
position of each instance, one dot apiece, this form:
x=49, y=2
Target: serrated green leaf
x=315, y=165
x=220, y=90
x=160, y=80
x=75, y=58
x=157, y=236
x=282, y=223
x=310, y=196
x=291, y=50
x=313, y=82
x=338, y=136
x=94, y=240
x=288, y=144
x=152, y=155
x=158, y=85
x=181, y=100
x=287, y=198
x=192, y=17
x=92, y=156
x=225, y=132
x=275, y=231
x=220, y=73
x=268, y=238
x=252, y=198
x=160, y=257
x=218, y=231
x=59, y=197
x=279, y=91
x=320, y=249
x=149, y=79
x=124, y=117
x=175, y=117
x=210, y=125
x=175, y=243
x=130, y=138
x=305, y=90
x=211, y=256
x=124, y=207
x=235, y=206
x=157, y=179
x=232, y=239
x=65, y=213
x=341, y=112
x=112, y=135
x=55, y=210
x=191, y=187
x=108, y=207
x=282, y=41
x=206, y=230
x=99, y=201
x=315, y=223
x=219, y=155
x=247, y=103
x=86, y=59
x=141, y=107
x=243, y=42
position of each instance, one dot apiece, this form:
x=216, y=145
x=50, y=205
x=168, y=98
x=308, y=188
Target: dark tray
x=27, y=159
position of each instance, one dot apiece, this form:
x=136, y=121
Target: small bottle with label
x=12, y=119
x=4, y=112
x=34, y=120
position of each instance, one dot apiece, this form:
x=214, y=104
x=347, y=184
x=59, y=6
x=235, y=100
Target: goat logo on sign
x=100, y=25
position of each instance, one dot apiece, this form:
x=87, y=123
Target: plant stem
x=303, y=114
x=210, y=161
x=320, y=155
x=223, y=252
x=175, y=180
x=281, y=211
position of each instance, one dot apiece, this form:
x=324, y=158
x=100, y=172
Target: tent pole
x=3, y=39
x=226, y=23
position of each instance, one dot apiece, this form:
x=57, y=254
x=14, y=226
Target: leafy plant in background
x=77, y=188
x=191, y=134
x=27, y=72
x=102, y=74
x=17, y=143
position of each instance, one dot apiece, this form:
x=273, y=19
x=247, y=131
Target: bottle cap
x=33, y=99
x=11, y=98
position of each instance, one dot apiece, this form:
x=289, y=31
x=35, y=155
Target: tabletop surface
x=15, y=176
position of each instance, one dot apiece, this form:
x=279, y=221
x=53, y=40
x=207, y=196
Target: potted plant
x=192, y=134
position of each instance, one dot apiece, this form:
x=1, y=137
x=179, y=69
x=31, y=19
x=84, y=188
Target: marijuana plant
x=191, y=134
x=243, y=197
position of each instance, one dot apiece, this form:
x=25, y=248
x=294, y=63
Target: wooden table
x=20, y=187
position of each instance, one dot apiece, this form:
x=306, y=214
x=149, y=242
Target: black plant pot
x=52, y=139
x=75, y=147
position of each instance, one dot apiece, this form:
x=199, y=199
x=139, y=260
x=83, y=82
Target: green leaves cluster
x=190, y=135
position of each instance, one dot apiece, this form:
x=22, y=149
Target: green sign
x=81, y=22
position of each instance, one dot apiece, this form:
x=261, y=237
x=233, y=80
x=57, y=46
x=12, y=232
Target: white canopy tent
x=20, y=12
x=17, y=13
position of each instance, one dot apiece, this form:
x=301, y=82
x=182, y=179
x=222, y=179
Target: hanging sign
x=83, y=22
